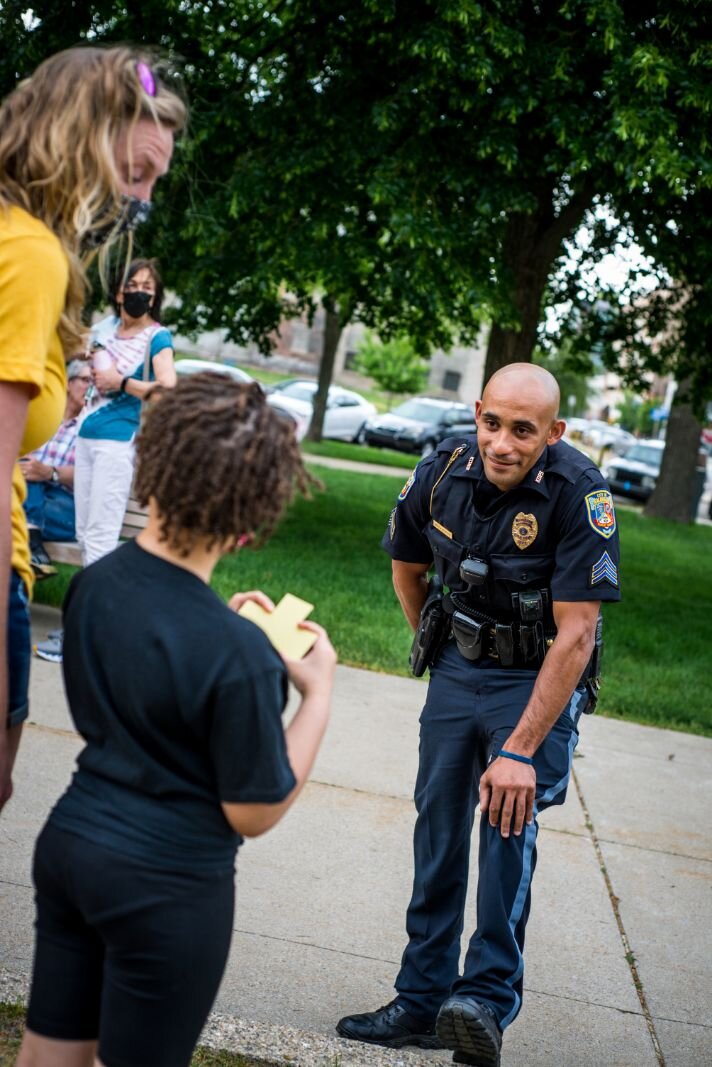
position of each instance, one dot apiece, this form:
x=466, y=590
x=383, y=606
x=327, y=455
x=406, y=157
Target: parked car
x=601, y=434
x=576, y=427
x=194, y=366
x=345, y=414
x=636, y=474
x=418, y=425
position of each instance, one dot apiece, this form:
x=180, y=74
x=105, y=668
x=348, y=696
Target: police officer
x=521, y=530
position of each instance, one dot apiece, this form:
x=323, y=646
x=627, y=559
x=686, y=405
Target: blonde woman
x=82, y=143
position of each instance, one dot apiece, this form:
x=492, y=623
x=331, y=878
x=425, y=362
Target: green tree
x=636, y=414
x=420, y=165
x=573, y=384
x=666, y=330
x=394, y=365
x=629, y=411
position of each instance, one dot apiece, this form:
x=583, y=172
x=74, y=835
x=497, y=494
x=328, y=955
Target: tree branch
x=565, y=222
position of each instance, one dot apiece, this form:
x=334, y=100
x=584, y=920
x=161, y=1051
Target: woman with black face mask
x=132, y=352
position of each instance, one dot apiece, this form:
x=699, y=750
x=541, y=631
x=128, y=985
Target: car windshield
x=300, y=391
x=645, y=454
x=420, y=410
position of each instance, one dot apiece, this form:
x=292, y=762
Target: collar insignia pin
x=470, y=461
x=539, y=477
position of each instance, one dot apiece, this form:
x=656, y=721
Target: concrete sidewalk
x=624, y=877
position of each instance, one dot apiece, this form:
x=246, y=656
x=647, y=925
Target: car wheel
x=360, y=437
x=427, y=448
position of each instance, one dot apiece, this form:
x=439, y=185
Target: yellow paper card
x=282, y=624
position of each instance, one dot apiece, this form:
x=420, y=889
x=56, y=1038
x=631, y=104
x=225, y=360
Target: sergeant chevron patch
x=604, y=570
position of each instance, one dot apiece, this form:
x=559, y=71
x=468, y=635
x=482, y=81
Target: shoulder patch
x=408, y=486
x=600, y=512
x=392, y=523
x=604, y=570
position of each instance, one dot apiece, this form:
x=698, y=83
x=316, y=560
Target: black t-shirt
x=179, y=701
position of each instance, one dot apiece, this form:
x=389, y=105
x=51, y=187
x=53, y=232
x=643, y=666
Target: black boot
x=471, y=1030
x=390, y=1025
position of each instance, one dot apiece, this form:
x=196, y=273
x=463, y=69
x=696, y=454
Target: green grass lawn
x=656, y=662
x=386, y=457
x=12, y=1025
x=264, y=375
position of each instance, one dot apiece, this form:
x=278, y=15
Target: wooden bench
x=135, y=519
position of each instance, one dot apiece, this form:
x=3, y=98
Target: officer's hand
x=315, y=672
x=235, y=602
x=507, y=792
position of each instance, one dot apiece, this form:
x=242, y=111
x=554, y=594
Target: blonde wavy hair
x=58, y=132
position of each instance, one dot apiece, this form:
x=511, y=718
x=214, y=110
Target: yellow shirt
x=33, y=284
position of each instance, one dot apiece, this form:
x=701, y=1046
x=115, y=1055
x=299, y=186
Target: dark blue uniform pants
x=470, y=711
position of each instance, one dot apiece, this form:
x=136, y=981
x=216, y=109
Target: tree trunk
x=531, y=244
x=675, y=494
x=332, y=332
x=516, y=346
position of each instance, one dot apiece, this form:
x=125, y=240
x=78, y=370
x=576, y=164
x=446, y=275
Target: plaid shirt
x=59, y=450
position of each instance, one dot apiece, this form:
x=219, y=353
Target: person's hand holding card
x=282, y=624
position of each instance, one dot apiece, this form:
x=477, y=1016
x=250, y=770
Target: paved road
x=625, y=873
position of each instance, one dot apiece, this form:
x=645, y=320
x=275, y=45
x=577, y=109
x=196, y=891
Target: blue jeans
x=470, y=711
x=50, y=507
x=19, y=651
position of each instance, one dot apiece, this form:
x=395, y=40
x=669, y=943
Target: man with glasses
x=49, y=474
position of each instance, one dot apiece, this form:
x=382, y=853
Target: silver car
x=636, y=473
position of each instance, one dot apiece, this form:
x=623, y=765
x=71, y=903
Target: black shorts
x=125, y=954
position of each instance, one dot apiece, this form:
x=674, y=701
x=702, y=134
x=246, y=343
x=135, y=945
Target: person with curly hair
x=82, y=143
x=179, y=701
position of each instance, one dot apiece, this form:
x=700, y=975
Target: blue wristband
x=516, y=756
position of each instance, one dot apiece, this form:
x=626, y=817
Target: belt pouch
x=468, y=635
x=504, y=642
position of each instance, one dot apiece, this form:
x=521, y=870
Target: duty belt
x=514, y=644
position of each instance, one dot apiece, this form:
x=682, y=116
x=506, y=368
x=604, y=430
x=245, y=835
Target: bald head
x=516, y=419
x=529, y=382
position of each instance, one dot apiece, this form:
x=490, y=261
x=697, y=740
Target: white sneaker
x=51, y=649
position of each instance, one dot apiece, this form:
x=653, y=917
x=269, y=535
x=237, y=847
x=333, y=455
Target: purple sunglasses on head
x=147, y=78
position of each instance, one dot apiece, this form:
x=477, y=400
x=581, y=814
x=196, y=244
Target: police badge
x=524, y=530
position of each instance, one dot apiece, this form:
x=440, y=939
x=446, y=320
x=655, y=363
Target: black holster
x=591, y=677
x=433, y=630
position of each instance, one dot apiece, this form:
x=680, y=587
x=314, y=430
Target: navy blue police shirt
x=556, y=530
x=179, y=701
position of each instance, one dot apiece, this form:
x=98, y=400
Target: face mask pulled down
x=132, y=213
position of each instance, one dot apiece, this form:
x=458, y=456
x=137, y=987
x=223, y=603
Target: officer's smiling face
x=516, y=419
